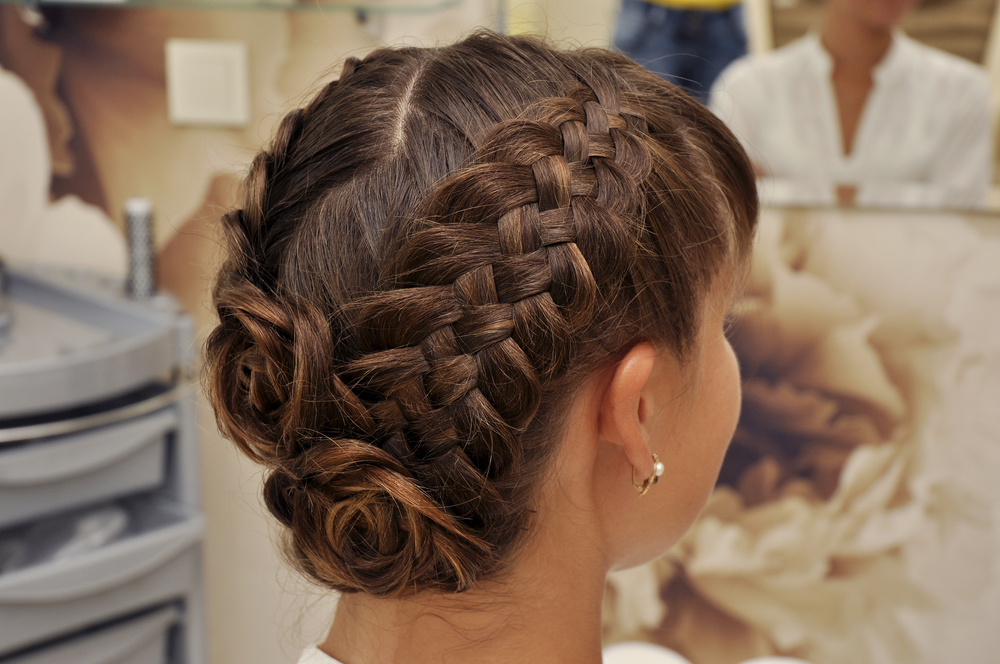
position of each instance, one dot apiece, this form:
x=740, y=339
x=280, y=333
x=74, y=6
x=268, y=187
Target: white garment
x=924, y=138
x=620, y=653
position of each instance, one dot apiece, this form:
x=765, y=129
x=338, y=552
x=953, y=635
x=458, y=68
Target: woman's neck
x=855, y=47
x=546, y=609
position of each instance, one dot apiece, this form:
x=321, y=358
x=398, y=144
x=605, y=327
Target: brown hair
x=429, y=257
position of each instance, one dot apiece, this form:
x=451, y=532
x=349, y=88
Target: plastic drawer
x=53, y=599
x=47, y=476
x=142, y=640
x=70, y=344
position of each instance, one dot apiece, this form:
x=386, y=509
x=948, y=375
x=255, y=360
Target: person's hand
x=847, y=194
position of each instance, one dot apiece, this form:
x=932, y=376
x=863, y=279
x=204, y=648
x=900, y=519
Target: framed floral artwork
x=855, y=518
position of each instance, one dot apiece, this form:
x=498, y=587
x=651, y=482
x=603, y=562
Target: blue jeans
x=689, y=48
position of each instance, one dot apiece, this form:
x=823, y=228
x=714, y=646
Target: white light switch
x=207, y=82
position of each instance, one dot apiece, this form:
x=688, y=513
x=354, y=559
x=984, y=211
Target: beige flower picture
x=854, y=519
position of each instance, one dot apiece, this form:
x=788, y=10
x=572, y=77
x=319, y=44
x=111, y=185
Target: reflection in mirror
x=858, y=112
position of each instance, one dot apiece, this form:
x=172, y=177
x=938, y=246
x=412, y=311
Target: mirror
x=905, y=122
x=880, y=103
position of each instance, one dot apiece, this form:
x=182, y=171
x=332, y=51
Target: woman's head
x=430, y=258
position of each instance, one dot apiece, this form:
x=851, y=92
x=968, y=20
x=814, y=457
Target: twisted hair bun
x=429, y=257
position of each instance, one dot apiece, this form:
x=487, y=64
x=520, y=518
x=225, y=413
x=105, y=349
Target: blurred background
x=855, y=517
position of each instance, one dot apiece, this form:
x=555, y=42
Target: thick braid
x=489, y=294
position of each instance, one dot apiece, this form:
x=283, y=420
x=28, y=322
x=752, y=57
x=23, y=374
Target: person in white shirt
x=471, y=323
x=860, y=114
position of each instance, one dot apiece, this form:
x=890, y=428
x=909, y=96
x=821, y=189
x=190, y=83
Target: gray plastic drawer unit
x=64, y=596
x=66, y=471
x=141, y=640
x=100, y=530
x=72, y=345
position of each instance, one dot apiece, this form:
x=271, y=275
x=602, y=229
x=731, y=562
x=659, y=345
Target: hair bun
x=361, y=520
x=271, y=371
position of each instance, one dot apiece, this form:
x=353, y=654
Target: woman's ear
x=626, y=410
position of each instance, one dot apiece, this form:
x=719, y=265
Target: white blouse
x=620, y=653
x=924, y=138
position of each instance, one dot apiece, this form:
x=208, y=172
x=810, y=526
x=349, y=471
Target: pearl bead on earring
x=645, y=485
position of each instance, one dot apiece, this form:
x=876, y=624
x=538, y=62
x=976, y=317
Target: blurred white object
x=24, y=168
x=633, y=652
x=67, y=233
x=71, y=233
x=208, y=82
x=643, y=608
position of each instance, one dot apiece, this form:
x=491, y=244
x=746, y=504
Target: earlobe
x=625, y=411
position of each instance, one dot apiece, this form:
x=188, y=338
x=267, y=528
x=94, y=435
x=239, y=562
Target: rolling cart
x=100, y=529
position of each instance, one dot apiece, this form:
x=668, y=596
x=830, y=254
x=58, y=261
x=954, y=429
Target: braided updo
x=429, y=258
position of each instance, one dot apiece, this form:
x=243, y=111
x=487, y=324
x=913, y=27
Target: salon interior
x=856, y=518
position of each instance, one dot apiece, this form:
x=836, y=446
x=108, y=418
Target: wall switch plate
x=208, y=82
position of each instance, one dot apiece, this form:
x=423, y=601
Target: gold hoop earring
x=646, y=484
